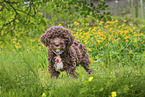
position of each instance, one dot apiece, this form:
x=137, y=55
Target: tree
x=19, y=19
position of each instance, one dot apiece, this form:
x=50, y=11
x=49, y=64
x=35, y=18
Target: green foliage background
x=116, y=49
x=20, y=20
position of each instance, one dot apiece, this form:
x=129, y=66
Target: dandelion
x=101, y=23
x=71, y=31
x=59, y=25
x=116, y=21
x=96, y=57
x=43, y=95
x=133, y=28
x=17, y=47
x=32, y=40
x=90, y=78
x=89, y=49
x=135, y=40
x=87, y=23
x=76, y=23
x=113, y=94
x=2, y=32
x=126, y=37
x=126, y=40
x=91, y=60
x=43, y=45
x=122, y=48
x=102, y=63
x=130, y=51
x=141, y=34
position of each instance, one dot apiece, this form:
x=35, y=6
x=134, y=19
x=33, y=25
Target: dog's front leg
x=52, y=71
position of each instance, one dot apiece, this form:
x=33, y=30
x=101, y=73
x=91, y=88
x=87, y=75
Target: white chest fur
x=58, y=63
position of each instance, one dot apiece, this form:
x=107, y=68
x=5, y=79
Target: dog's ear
x=45, y=40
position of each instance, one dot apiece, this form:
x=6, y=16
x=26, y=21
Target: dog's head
x=57, y=38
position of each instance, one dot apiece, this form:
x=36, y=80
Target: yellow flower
x=43, y=45
x=43, y=95
x=89, y=49
x=96, y=57
x=135, y=40
x=133, y=28
x=141, y=34
x=126, y=40
x=87, y=23
x=99, y=41
x=118, y=38
x=113, y=94
x=102, y=63
x=2, y=32
x=32, y=40
x=126, y=37
x=59, y=25
x=17, y=47
x=110, y=29
x=76, y=23
x=122, y=48
x=101, y=22
x=90, y=78
x=91, y=60
x=130, y=51
x=116, y=21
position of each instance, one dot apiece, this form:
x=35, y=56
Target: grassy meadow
x=117, y=53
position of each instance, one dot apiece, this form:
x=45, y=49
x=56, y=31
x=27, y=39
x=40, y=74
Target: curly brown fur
x=60, y=43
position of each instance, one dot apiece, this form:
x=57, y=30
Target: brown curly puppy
x=64, y=53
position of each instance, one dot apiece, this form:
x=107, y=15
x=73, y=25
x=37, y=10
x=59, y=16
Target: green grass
x=22, y=74
x=118, y=63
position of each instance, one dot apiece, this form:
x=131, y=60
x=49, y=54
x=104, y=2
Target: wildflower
x=110, y=29
x=133, y=28
x=113, y=94
x=76, y=23
x=102, y=63
x=32, y=40
x=101, y=22
x=126, y=37
x=43, y=45
x=126, y=40
x=87, y=23
x=89, y=49
x=141, y=34
x=2, y=32
x=43, y=95
x=130, y=51
x=96, y=57
x=17, y=47
x=116, y=21
x=91, y=60
x=90, y=78
x=135, y=40
x=122, y=48
x=59, y=25
x=99, y=41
